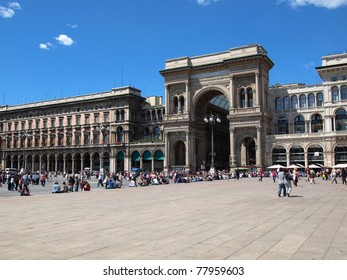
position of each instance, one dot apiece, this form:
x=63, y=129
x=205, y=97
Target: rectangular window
x=106, y=117
x=96, y=118
x=61, y=122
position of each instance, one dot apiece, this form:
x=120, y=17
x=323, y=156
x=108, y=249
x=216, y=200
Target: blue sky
x=54, y=49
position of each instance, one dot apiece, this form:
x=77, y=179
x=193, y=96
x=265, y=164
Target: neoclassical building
x=114, y=131
x=220, y=111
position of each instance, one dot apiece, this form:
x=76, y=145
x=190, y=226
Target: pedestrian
x=43, y=179
x=281, y=182
x=100, y=180
x=289, y=179
x=343, y=175
x=295, y=176
x=261, y=174
x=333, y=176
x=77, y=182
x=312, y=175
x=274, y=175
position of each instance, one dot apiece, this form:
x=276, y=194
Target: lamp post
x=212, y=120
x=104, y=129
x=24, y=135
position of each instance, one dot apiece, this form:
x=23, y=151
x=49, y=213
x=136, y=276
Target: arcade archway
x=212, y=102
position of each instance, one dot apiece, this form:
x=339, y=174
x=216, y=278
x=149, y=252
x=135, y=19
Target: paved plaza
x=228, y=219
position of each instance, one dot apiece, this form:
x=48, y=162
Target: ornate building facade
x=115, y=131
x=120, y=130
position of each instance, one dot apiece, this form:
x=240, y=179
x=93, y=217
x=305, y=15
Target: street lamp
x=24, y=135
x=104, y=129
x=212, y=120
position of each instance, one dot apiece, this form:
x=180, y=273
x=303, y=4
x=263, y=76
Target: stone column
x=231, y=89
x=167, y=100
x=187, y=103
x=259, y=152
x=187, y=149
x=166, y=156
x=232, y=156
x=306, y=158
x=64, y=164
x=257, y=89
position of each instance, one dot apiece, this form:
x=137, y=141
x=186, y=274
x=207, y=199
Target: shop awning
x=159, y=155
x=136, y=156
x=147, y=155
x=120, y=155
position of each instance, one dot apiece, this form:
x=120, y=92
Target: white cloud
x=206, y=2
x=329, y=4
x=64, y=40
x=14, y=5
x=46, y=46
x=8, y=12
x=72, y=25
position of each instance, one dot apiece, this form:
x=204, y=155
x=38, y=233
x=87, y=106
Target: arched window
x=311, y=100
x=175, y=101
x=335, y=93
x=294, y=102
x=299, y=124
x=182, y=104
x=283, y=125
x=242, y=98
x=250, y=97
x=278, y=104
x=320, y=99
x=341, y=120
x=122, y=115
x=286, y=103
x=303, y=101
x=316, y=123
x=344, y=92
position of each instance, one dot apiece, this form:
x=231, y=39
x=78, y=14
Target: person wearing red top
x=43, y=180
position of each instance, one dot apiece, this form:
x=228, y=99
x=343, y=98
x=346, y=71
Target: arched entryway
x=212, y=139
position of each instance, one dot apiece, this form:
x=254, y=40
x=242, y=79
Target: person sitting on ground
x=25, y=191
x=86, y=186
x=65, y=188
x=110, y=185
x=56, y=188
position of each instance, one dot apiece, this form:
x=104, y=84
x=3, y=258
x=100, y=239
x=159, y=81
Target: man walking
x=281, y=183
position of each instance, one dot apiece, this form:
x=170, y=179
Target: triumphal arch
x=231, y=87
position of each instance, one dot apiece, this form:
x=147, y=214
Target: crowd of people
x=79, y=181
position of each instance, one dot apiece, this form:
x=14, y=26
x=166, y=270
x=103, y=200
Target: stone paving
x=228, y=219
